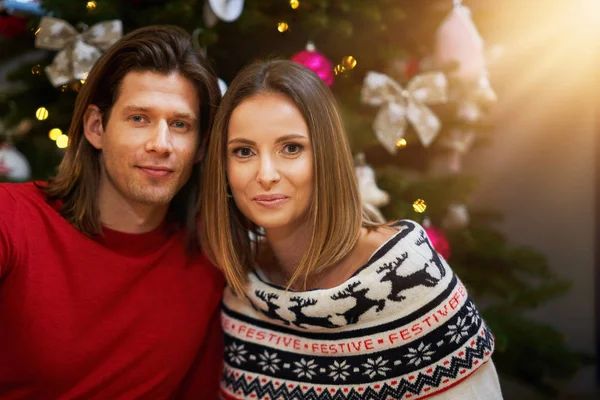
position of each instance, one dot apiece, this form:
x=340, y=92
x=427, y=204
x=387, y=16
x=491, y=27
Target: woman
x=322, y=303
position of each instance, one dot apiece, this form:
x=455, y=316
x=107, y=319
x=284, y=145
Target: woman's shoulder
x=388, y=236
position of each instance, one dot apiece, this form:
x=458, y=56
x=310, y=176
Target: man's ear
x=92, y=126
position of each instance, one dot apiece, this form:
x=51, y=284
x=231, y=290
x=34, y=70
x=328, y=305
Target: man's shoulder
x=21, y=196
x=17, y=191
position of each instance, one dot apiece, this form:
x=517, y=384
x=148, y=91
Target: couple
x=107, y=283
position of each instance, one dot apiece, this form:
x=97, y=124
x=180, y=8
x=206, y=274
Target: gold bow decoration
x=399, y=106
x=77, y=51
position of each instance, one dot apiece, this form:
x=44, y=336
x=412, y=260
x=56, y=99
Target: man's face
x=150, y=141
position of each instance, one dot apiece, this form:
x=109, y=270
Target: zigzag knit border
x=446, y=373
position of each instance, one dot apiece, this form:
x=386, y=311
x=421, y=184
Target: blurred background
x=477, y=118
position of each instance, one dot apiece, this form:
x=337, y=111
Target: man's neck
x=119, y=214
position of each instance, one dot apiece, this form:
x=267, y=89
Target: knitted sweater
x=402, y=327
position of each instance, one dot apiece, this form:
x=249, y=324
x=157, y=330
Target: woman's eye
x=243, y=152
x=292, y=148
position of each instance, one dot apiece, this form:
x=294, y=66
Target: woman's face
x=270, y=162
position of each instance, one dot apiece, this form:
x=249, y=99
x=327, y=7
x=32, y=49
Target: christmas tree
x=411, y=112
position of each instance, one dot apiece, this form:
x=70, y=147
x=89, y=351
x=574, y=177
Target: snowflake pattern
x=376, y=367
x=237, y=353
x=269, y=362
x=339, y=370
x=305, y=368
x=473, y=314
x=458, y=330
x=420, y=354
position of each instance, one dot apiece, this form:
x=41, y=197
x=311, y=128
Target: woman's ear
x=92, y=126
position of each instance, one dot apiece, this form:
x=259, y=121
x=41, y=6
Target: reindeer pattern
x=411, y=263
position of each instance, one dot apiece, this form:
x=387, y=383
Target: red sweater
x=124, y=317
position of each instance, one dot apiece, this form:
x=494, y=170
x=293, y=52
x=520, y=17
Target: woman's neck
x=285, y=251
x=287, y=247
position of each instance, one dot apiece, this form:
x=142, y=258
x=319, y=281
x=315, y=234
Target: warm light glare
x=401, y=142
x=41, y=113
x=294, y=4
x=91, y=5
x=36, y=69
x=282, y=27
x=62, y=141
x=419, y=205
x=54, y=133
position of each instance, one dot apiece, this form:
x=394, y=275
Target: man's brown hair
x=159, y=49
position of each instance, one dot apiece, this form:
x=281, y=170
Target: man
x=102, y=294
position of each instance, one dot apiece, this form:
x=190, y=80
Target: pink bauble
x=438, y=240
x=316, y=62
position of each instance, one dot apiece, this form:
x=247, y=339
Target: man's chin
x=154, y=196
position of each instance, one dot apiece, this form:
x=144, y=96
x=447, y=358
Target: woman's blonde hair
x=335, y=214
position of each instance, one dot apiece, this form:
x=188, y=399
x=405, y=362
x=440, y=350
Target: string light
x=91, y=5
x=62, y=141
x=401, y=142
x=41, y=113
x=419, y=206
x=54, y=133
x=349, y=62
x=35, y=70
x=339, y=69
x=64, y=88
x=294, y=4
x=282, y=27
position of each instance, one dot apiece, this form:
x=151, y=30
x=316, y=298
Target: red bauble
x=316, y=62
x=438, y=240
x=12, y=26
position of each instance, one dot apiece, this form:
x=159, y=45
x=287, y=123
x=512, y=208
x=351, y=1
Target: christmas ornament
x=77, y=51
x=400, y=105
x=459, y=142
x=32, y=7
x=13, y=164
x=457, y=217
x=209, y=16
x=316, y=62
x=458, y=41
x=222, y=86
x=227, y=10
x=438, y=239
x=12, y=26
x=371, y=195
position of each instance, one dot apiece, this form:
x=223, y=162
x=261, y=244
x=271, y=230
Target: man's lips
x=155, y=171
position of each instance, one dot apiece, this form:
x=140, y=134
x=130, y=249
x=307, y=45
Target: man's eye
x=180, y=125
x=137, y=118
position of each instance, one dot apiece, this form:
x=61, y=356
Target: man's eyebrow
x=142, y=108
